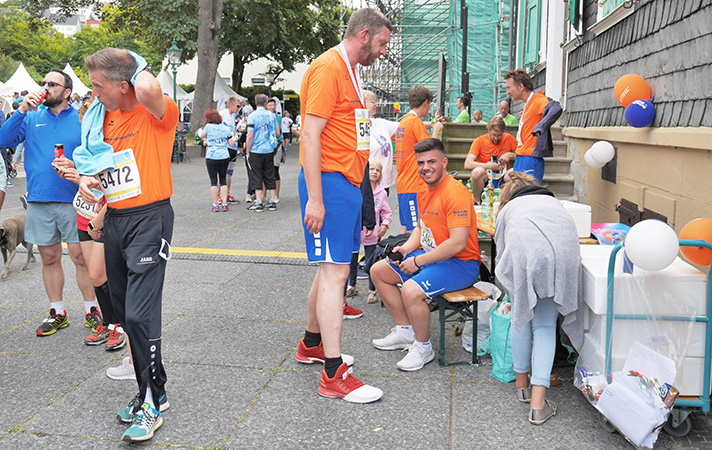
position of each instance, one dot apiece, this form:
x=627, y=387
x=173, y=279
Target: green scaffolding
x=424, y=29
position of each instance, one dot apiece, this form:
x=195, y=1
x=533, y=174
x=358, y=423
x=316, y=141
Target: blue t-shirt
x=217, y=136
x=40, y=130
x=264, y=125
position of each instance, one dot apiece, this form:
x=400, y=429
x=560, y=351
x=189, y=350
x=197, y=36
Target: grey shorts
x=49, y=223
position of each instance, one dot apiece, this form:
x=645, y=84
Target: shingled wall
x=667, y=42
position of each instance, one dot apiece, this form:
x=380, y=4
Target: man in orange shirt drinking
x=495, y=143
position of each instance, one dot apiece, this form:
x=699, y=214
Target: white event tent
x=21, y=80
x=78, y=87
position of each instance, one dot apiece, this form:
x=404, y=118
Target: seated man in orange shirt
x=495, y=143
x=445, y=240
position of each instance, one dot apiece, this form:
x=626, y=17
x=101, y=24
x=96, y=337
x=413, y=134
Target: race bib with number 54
x=124, y=182
x=363, y=129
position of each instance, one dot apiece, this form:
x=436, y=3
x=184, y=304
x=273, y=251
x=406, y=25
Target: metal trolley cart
x=678, y=423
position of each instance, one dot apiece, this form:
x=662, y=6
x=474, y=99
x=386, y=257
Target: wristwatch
x=90, y=226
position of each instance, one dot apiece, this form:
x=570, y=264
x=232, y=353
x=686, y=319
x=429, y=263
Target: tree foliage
x=157, y=23
x=287, y=32
x=44, y=48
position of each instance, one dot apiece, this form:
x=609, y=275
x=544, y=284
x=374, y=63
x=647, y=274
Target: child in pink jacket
x=383, y=219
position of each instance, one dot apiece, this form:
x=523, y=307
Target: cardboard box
x=582, y=216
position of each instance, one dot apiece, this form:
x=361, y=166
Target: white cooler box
x=582, y=217
x=679, y=289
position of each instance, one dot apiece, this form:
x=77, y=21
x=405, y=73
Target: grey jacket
x=537, y=257
x=544, y=146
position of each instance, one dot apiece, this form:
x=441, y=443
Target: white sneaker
x=249, y=199
x=276, y=199
x=416, y=358
x=393, y=341
x=125, y=371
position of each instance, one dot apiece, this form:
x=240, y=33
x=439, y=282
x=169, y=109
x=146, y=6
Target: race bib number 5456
x=124, y=182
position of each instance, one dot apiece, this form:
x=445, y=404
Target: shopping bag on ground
x=484, y=312
x=501, y=346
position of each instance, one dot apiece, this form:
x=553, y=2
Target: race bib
x=363, y=129
x=124, y=182
x=427, y=241
x=85, y=209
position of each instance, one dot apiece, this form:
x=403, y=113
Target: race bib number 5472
x=124, y=182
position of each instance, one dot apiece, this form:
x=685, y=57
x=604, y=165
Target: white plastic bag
x=484, y=312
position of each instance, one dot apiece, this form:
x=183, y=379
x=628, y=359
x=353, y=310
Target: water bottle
x=469, y=186
x=485, y=205
x=490, y=197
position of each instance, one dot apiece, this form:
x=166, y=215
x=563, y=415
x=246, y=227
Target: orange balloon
x=696, y=230
x=630, y=88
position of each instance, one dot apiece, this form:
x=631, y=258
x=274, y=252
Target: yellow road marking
x=234, y=252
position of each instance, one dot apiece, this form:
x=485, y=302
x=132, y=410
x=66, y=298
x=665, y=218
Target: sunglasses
x=50, y=84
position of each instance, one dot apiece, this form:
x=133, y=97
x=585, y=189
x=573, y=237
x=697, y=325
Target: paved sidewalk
x=232, y=320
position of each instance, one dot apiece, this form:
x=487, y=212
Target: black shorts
x=84, y=236
x=217, y=168
x=261, y=167
x=233, y=154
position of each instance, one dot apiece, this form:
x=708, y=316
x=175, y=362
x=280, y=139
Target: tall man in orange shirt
x=139, y=124
x=411, y=129
x=441, y=255
x=521, y=87
x=495, y=143
x=334, y=150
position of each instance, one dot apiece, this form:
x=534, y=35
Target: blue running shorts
x=408, y=210
x=340, y=234
x=452, y=274
x=530, y=165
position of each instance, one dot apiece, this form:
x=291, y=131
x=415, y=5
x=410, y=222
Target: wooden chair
x=457, y=304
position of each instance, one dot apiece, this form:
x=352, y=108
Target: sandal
x=539, y=416
x=524, y=394
x=351, y=291
x=372, y=297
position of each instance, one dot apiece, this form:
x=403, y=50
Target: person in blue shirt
x=261, y=141
x=51, y=218
x=217, y=157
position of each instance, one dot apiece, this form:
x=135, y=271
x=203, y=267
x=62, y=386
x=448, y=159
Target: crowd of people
x=106, y=194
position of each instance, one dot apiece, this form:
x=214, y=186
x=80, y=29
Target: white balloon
x=602, y=151
x=652, y=244
x=590, y=162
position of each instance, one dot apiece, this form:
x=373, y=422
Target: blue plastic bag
x=501, y=346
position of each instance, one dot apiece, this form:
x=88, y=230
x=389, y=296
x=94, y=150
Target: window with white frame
x=610, y=12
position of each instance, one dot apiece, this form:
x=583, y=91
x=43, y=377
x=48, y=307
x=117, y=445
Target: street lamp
x=269, y=78
x=173, y=60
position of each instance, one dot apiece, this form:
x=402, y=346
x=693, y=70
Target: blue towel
x=94, y=155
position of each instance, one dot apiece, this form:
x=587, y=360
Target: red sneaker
x=310, y=355
x=345, y=385
x=351, y=313
x=116, y=339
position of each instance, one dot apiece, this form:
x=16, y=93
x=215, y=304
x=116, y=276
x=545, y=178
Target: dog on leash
x=12, y=234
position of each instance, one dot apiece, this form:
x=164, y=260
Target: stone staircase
x=458, y=137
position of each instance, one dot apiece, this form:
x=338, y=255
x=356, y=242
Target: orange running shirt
x=533, y=112
x=449, y=205
x=484, y=149
x=152, y=143
x=327, y=92
x=411, y=130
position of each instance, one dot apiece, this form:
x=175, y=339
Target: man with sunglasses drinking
x=51, y=218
